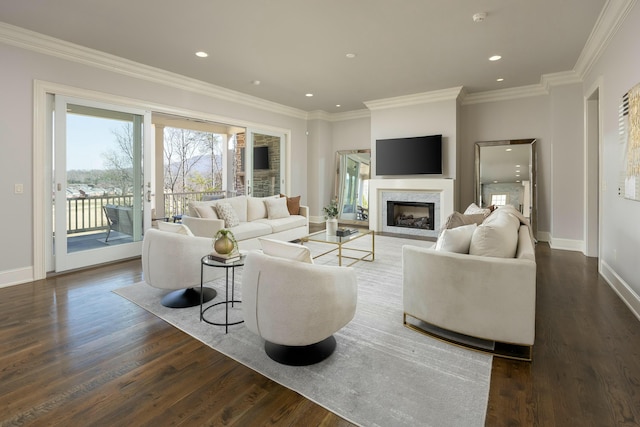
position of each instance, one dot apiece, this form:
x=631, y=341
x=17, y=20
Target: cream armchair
x=296, y=306
x=171, y=260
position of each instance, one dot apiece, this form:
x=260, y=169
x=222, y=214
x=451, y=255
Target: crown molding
x=43, y=44
x=504, y=94
x=415, y=99
x=337, y=117
x=611, y=18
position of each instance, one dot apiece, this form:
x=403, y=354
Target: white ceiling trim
x=41, y=43
x=337, y=117
x=415, y=99
x=611, y=18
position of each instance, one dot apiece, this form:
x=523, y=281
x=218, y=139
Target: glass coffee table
x=341, y=243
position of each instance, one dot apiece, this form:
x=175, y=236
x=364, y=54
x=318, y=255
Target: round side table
x=208, y=262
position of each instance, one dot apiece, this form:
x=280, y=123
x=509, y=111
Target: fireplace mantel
x=444, y=187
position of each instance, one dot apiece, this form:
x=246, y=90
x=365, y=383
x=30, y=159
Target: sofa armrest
x=485, y=297
x=304, y=211
x=203, y=227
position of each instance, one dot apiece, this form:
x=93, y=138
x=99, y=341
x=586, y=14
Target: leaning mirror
x=353, y=169
x=505, y=174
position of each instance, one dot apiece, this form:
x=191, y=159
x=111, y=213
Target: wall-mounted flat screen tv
x=261, y=157
x=409, y=156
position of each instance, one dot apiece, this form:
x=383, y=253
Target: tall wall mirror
x=505, y=174
x=353, y=171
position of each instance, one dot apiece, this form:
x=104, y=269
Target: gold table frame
x=340, y=241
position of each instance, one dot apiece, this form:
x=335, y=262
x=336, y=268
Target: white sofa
x=258, y=217
x=485, y=293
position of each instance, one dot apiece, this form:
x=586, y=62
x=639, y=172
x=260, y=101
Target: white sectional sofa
x=248, y=218
x=487, y=292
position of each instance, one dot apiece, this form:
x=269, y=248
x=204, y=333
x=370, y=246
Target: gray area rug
x=381, y=374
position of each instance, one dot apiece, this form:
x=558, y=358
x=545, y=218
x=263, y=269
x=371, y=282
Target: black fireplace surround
x=410, y=214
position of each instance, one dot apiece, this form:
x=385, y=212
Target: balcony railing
x=85, y=214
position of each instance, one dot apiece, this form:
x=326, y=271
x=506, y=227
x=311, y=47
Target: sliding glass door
x=102, y=188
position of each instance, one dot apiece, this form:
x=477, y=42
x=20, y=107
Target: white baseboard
x=16, y=277
x=565, y=244
x=543, y=236
x=620, y=287
x=316, y=219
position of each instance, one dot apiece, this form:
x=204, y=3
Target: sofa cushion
x=497, y=236
x=277, y=208
x=227, y=212
x=256, y=208
x=456, y=239
x=280, y=249
x=239, y=204
x=293, y=204
x=284, y=224
x=174, y=228
x=250, y=230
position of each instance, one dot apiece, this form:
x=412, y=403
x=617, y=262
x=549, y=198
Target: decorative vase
x=332, y=226
x=223, y=245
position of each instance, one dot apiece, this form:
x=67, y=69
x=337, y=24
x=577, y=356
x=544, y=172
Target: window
x=499, y=199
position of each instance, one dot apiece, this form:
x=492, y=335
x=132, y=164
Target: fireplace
x=418, y=215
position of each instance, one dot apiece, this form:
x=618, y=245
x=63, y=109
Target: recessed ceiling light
x=495, y=58
x=255, y=82
x=517, y=174
x=338, y=105
x=495, y=182
x=308, y=95
x=517, y=166
x=517, y=180
x=202, y=54
x=350, y=55
x=508, y=149
x=500, y=79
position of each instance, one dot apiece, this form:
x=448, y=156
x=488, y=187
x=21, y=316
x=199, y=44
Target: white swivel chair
x=171, y=260
x=296, y=306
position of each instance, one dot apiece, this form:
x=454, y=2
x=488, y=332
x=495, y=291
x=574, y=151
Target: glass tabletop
x=322, y=236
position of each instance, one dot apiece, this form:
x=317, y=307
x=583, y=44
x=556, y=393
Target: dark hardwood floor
x=72, y=353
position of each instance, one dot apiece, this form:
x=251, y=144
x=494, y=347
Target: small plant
x=331, y=210
x=224, y=242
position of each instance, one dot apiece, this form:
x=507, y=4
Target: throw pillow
x=228, y=214
x=456, y=219
x=174, y=228
x=206, y=211
x=256, y=208
x=276, y=208
x=280, y=249
x=475, y=209
x=456, y=239
x=293, y=204
x=496, y=237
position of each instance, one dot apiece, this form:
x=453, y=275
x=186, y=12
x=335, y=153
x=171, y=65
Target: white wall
x=430, y=118
x=352, y=134
x=619, y=69
x=567, y=174
x=513, y=119
x=20, y=67
x=320, y=166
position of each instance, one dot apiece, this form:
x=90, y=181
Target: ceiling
x=295, y=47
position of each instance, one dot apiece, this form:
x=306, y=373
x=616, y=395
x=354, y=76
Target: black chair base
x=189, y=297
x=301, y=355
